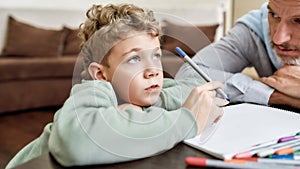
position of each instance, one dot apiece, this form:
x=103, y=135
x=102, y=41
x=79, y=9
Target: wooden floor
x=19, y=128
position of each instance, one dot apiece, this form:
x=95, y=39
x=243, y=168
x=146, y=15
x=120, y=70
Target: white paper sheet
x=245, y=125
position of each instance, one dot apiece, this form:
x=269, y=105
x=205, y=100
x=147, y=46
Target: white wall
x=196, y=12
x=84, y=4
x=193, y=11
x=241, y=8
x=237, y=8
x=203, y=11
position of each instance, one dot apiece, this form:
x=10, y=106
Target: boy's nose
x=152, y=72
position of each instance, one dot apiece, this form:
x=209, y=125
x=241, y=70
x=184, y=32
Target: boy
x=123, y=109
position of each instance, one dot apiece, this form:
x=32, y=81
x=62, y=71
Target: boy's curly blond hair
x=106, y=25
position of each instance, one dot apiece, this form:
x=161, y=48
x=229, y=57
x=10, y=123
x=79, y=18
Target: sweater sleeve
x=89, y=129
x=175, y=92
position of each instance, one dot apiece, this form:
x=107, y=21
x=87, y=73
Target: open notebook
x=245, y=125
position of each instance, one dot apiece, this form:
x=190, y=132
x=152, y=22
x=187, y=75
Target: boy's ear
x=97, y=71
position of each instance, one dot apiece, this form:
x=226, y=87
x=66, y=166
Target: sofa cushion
x=189, y=38
x=26, y=40
x=72, y=42
x=34, y=68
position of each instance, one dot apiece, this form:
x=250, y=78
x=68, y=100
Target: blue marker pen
x=198, y=70
x=287, y=156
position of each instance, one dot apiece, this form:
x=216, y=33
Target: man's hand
x=282, y=99
x=286, y=80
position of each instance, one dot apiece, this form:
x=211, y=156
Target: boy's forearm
x=85, y=132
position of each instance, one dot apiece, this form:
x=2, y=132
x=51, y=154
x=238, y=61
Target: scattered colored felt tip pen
x=288, y=150
x=273, y=149
x=284, y=139
x=203, y=162
x=286, y=156
x=255, y=149
x=269, y=160
x=259, y=148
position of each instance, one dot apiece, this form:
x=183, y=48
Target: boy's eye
x=134, y=59
x=157, y=56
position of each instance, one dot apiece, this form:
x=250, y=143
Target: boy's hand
x=204, y=105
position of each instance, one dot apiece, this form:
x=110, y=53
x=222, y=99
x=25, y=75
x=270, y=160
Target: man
x=269, y=40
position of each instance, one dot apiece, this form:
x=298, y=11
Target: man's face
x=284, y=21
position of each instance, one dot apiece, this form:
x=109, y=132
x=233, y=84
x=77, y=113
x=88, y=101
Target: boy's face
x=135, y=69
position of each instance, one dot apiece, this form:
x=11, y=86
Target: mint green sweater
x=89, y=129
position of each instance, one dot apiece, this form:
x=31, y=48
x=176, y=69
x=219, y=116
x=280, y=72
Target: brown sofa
x=37, y=64
x=34, y=82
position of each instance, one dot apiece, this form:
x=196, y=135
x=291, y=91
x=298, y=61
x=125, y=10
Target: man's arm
x=278, y=98
x=226, y=58
x=286, y=81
